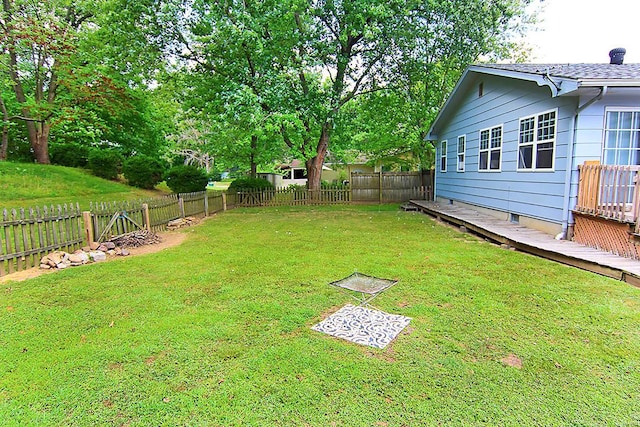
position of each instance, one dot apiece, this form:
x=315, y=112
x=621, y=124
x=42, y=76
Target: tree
x=304, y=61
x=63, y=63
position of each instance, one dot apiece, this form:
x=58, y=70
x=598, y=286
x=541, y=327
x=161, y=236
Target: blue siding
x=537, y=194
x=590, y=129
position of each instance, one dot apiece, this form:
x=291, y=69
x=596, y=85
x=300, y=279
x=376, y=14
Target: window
x=299, y=174
x=443, y=156
x=461, y=147
x=536, y=141
x=622, y=138
x=490, y=149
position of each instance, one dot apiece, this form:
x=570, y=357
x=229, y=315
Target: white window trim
x=443, y=155
x=461, y=153
x=489, y=150
x=607, y=110
x=535, y=143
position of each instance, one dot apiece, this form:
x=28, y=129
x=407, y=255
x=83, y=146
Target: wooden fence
x=389, y=187
x=27, y=235
x=609, y=191
x=114, y=219
x=292, y=197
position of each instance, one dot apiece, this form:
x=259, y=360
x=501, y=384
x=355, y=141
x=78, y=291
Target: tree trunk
x=254, y=149
x=314, y=164
x=40, y=142
x=4, y=142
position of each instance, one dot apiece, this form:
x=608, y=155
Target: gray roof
x=574, y=71
x=561, y=79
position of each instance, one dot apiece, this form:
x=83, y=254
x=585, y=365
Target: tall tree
x=304, y=61
x=60, y=58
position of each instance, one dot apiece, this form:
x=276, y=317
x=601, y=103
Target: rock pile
x=61, y=259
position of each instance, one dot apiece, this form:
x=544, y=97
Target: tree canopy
x=242, y=83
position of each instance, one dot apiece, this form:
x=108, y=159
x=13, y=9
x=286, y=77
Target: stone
x=62, y=265
x=45, y=266
x=125, y=252
x=78, y=258
x=97, y=256
x=57, y=257
x=93, y=246
x=109, y=245
x=102, y=248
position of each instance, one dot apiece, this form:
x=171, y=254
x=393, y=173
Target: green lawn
x=217, y=332
x=26, y=185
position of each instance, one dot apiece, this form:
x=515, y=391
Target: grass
x=217, y=332
x=25, y=185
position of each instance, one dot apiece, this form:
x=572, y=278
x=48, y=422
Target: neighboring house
x=510, y=137
x=295, y=173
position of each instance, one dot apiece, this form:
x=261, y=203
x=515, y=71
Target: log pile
x=136, y=239
x=182, y=222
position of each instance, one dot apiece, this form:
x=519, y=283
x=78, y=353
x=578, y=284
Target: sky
x=584, y=31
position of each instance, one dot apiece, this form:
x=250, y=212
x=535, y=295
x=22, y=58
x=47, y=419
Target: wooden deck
x=535, y=242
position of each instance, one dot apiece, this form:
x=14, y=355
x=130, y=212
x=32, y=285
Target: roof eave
x=557, y=86
x=609, y=83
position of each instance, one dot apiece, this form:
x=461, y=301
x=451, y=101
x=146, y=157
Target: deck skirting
x=606, y=235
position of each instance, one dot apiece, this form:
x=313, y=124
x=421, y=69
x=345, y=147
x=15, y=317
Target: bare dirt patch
x=168, y=240
x=512, y=360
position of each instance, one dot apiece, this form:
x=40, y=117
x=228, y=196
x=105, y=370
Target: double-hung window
x=536, y=141
x=443, y=156
x=490, y=149
x=622, y=137
x=462, y=142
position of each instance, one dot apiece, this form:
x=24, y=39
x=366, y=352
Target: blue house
x=511, y=138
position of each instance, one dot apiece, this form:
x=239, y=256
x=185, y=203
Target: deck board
x=535, y=242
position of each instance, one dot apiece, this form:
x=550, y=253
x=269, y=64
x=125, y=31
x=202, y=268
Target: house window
x=443, y=156
x=299, y=174
x=622, y=138
x=536, y=141
x=461, y=147
x=490, y=149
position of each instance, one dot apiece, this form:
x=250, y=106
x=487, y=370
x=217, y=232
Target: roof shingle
x=574, y=71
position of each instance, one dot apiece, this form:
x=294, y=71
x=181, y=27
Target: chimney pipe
x=617, y=55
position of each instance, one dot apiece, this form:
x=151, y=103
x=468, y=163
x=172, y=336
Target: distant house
x=511, y=137
x=295, y=173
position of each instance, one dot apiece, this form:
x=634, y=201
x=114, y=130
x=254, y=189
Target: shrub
x=186, y=179
x=71, y=155
x=143, y=171
x=105, y=163
x=250, y=184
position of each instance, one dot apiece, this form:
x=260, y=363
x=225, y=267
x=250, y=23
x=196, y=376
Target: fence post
x=380, y=186
x=224, y=202
x=181, y=205
x=146, y=217
x=206, y=203
x=88, y=227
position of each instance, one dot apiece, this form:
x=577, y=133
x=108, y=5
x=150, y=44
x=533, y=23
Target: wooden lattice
x=606, y=235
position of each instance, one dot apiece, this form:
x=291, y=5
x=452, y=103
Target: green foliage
x=72, y=154
x=217, y=331
x=143, y=171
x=105, y=164
x=186, y=179
x=77, y=71
x=250, y=184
